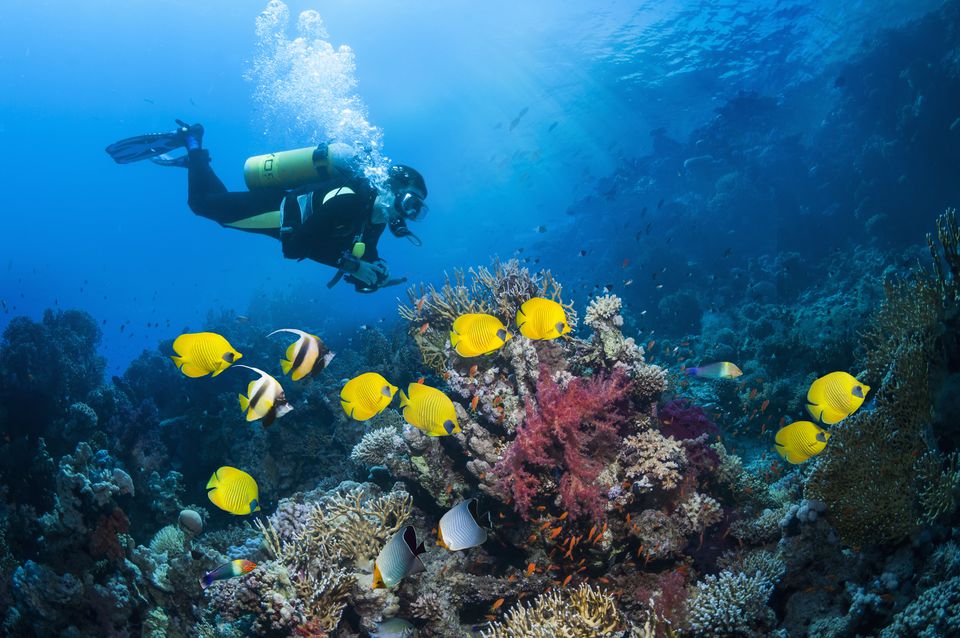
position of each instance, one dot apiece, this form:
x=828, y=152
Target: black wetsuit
x=320, y=221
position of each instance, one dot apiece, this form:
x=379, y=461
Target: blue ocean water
x=753, y=180
x=443, y=82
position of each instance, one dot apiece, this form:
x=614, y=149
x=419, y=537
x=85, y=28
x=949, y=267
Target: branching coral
x=584, y=612
x=378, y=447
x=653, y=456
x=697, y=512
x=572, y=433
x=731, y=605
x=499, y=292
x=938, y=484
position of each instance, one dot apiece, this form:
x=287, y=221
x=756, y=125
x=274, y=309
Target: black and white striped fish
x=265, y=398
x=307, y=355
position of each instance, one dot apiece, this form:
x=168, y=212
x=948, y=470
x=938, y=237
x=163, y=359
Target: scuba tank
x=290, y=169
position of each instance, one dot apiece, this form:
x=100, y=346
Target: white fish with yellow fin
x=366, y=395
x=460, y=527
x=203, y=353
x=305, y=356
x=800, y=441
x=429, y=410
x=265, y=398
x=835, y=396
x=399, y=558
x=394, y=628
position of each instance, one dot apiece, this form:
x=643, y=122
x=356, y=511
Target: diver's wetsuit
x=319, y=221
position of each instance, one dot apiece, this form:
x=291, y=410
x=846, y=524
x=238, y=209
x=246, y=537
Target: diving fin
x=154, y=145
x=166, y=159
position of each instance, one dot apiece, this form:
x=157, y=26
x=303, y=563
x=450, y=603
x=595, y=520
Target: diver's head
x=409, y=190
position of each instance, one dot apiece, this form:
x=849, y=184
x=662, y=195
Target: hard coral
x=582, y=613
x=731, y=605
x=569, y=438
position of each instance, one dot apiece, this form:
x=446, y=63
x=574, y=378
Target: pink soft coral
x=571, y=434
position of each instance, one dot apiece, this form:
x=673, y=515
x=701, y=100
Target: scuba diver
x=315, y=200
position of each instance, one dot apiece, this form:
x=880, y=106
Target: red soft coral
x=571, y=434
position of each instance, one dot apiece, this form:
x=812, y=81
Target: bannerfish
x=265, y=398
x=227, y=570
x=834, y=397
x=365, y=396
x=719, y=370
x=394, y=628
x=233, y=491
x=476, y=334
x=800, y=440
x=540, y=318
x=429, y=410
x=203, y=353
x=459, y=528
x=398, y=558
x=305, y=356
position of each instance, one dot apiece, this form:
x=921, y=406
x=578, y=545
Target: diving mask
x=411, y=206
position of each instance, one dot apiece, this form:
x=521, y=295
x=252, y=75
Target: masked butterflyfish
x=203, y=353
x=476, y=334
x=305, y=356
x=540, y=318
x=801, y=440
x=398, y=558
x=460, y=527
x=365, y=396
x=236, y=567
x=429, y=410
x=718, y=370
x=265, y=398
x=394, y=628
x=834, y=397
x=233, y=491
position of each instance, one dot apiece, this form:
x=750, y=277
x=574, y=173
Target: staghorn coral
x=764, y=562
x=584, y=612
x=653, y=456
x=572, y=432
x=938, y=484
x=731, y=605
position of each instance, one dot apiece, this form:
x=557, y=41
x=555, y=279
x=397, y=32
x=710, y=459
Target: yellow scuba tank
x=290, y=169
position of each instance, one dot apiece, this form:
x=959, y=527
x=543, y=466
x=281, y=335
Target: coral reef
x=580, y=613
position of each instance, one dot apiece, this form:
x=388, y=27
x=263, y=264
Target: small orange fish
x=753, y=394
x=593, y=530
x=540, y=508
x=764, y=406
x=512, y=578
x=490, y=617
x=563, y=516
x=420, y=303
x=496, y=604
x=555, y=532
x=532, y=567
x=424, y=327
x=604, y=580
x=650, y=344
x=421, y=380
x=474, y=401
x=566, y=581
x=473, y=371
x=532, y=538
x=546, y=525
x=497, y=400
x=628, y=518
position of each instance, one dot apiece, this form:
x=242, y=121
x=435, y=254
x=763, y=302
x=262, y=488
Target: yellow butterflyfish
x=233, y=491
x=203, y=353
x=429, y=410
x=540, y=318
x=366, y=396
x=800, y=440
x=476, y=334
x=834, y=397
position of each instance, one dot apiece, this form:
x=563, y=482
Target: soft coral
x=572, y=433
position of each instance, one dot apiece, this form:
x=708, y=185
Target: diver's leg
x=249, y=211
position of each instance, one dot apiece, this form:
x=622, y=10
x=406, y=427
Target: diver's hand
x=368, y=275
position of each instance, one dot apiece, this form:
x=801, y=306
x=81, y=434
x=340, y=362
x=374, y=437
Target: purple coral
x=683, y=420
x=569, y=435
